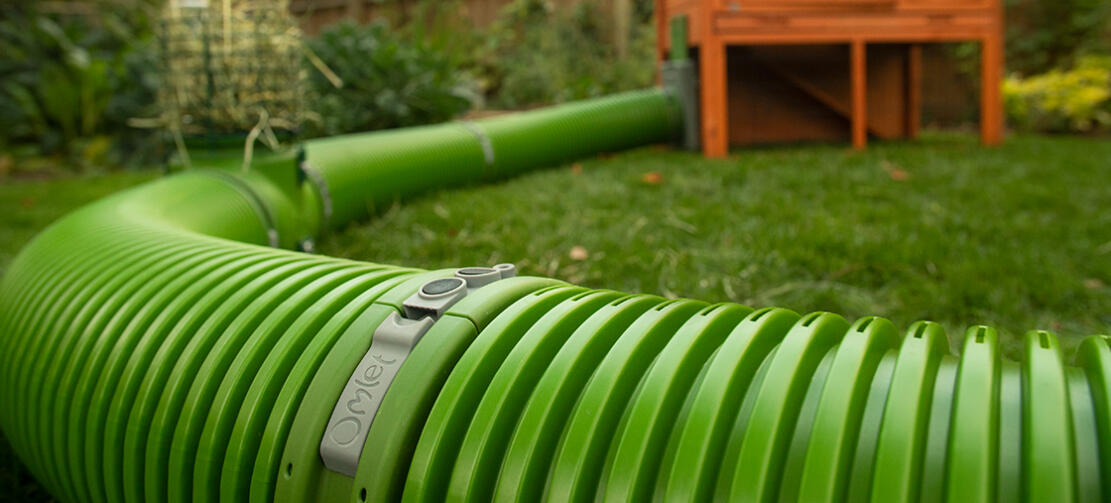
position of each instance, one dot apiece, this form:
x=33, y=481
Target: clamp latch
x=390, y=345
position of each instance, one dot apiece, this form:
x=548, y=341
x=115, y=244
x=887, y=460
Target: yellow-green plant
x=1073, y=100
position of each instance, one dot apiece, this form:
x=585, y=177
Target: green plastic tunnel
x=158, y=346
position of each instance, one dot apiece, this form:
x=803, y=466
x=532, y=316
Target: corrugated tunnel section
x=152, y=348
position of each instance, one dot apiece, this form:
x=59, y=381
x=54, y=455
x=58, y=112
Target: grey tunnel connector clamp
x=390, y=345
x=483, y=141
x=680, y=80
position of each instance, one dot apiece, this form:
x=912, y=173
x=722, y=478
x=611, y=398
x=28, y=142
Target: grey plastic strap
x=681, y=82
x=321, y=185
x=263, y=212
x=361, y=398
x=390, y=345
x=483, y=140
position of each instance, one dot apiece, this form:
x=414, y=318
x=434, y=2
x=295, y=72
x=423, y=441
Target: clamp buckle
x=390, y=346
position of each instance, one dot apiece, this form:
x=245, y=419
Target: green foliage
x=536, y=54
x=1046, y=34
x=1075, y=100
x=441, y=25
x=70, y=81
x=387, y=83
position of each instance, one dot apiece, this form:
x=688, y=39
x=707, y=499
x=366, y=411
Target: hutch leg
x=914, y=90
x=991, y=105
x=663, y=39
x=859, y=94
x=715, y=110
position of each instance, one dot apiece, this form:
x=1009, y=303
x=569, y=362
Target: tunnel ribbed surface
x=151, y=349
x=605, y=396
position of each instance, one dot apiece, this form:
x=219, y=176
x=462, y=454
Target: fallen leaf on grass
x=896, y=173
x=441, y=211
x=27, y=202
x=577, y=168
x=578, y=253
x=1093, y=284
x=652, y=178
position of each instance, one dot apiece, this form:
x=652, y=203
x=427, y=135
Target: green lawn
x=1017, y=237
x=26, y=207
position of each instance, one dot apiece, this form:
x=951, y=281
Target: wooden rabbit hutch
x=784, y=70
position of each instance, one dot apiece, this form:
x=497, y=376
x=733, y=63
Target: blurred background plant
x=74, y=73
x=1043, y=35
x=427, y=63
x=1059, y=53
x=1073, y=100
x=536, y=54
x=387, y=82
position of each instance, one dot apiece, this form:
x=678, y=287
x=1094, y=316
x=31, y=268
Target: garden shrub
x=387, y=83
x=1042, y=35
x=1047, y=34
x=71, y=83
x=536, y=54
x=1074, y=100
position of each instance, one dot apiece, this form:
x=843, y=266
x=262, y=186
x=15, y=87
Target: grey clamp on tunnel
x=391, y=344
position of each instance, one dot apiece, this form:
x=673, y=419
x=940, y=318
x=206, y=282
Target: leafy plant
x=387, y=83
x=71, y=80
x=538, y=54
x=1046, y=34
x=1074, y=100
